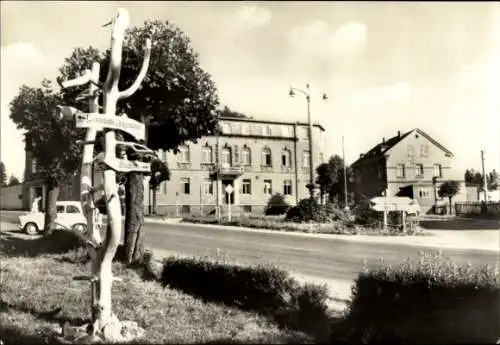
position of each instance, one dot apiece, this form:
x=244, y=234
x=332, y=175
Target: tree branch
x=142, y=73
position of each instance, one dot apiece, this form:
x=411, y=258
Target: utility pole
x=485, y=183
x=217, y=196
x=345, y=175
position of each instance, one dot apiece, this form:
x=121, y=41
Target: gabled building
x=411, y=164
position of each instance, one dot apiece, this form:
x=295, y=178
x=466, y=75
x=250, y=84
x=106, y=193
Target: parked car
x=69, y=215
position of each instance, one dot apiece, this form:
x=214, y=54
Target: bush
x=432, y=301
x=276, y=205
x=264, y=288
x=306, y=210
x=364, y=214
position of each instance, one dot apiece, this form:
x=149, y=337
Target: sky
x=385, y=66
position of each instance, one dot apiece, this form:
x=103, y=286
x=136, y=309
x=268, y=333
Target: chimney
x=399, y=134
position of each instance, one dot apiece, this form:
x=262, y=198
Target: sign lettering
x=122, y=123
x=123, y=165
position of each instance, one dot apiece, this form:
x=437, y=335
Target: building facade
x=411, y=164
x=256, y=158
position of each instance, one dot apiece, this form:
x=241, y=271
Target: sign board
x=229, y=189
x=122, y=123
x=394, y=203
x=123, y=165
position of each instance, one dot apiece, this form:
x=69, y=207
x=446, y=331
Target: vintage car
x=69, y=216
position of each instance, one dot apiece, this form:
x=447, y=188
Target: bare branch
x=144, y=68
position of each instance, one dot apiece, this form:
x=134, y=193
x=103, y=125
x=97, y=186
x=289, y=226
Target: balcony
x=226, y=171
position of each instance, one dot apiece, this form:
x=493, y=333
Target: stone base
x=116, y=332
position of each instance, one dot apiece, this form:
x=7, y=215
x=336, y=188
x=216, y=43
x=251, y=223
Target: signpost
x=391, y=204
x=124, y=165
x=229, y=189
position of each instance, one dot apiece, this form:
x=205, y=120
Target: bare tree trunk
x=154, y=200
x=134, y=218
x=50, y=208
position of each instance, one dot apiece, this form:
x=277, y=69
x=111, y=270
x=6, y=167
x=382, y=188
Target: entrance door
x=229, y=198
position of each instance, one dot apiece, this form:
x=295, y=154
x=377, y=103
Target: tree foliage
x=13, y=180
x=3, y=174
x=330, y=177
x=226, y=112
x=449, y=189
x=475, y=178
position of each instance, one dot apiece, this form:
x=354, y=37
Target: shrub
x=263, y=288
x=431, y=301
x=306, y=210
x=276, y=205
x=364, y=214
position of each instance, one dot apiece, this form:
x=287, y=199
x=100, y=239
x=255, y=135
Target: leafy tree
x=276, y=205
x=13, y=180
x=177, y=101
x=492, y=180
x=331, y=178
x=226, y=112
x=449, y=189
x=3, y=175
x=473, y=178
x=159, y=173
x=52, y=144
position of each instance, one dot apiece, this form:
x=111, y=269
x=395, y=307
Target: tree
x=449, y=189
x=492, y=180
x=3, y=175
x=226, y=112
x=13, y=180
x=53, y=145
x=331, y=178
x=159, y=173
x=177, y=101
x=473, y=178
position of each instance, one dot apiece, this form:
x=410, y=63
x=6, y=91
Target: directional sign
x=123, y=165
x=229, y=189
x=394, y=204
x=122, y=123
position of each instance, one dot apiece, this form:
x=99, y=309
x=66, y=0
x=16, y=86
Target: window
x=59, y=209
x=305, y=159
x=438, y=172
x=424, y=150
x=72, y=209
x=268, y=187
x=268, y=131
x=287, y=131
x=245, y=156
x=400, y=170
x=226, y=156
x=236, y=128
x=183, y=154
x=266, y=157
x=208, y=187
x=424, y=194
x=225, y=128
x=246, y=187
x=419, y=170
x=244, y=129
x=287, y=187
x=410, y=151
x=247, y=208
x=207, y=154
x=286, y=158
x=185, y=209
x=185, y=185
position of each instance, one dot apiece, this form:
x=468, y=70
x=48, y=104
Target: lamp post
x=307, y=94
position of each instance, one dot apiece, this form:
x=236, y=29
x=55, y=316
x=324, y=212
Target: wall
x=11, y=197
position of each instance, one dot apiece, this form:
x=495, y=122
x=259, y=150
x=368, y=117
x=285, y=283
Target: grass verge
x=278, y=223
x=38, y=296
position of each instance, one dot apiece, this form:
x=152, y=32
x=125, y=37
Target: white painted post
x=403, y=214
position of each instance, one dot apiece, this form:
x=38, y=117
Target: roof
x=381, y=149
x=252, y=120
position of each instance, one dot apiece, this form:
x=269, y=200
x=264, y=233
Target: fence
x=478, y=209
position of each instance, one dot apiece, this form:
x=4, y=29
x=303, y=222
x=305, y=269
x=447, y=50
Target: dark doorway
x=229, y=198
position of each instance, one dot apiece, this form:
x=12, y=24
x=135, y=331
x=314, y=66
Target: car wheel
x=31, y=229
x=81, y=228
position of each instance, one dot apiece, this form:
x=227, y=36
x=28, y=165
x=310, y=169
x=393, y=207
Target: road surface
x=317, y=257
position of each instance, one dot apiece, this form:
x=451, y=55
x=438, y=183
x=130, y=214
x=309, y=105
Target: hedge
x=431, y=301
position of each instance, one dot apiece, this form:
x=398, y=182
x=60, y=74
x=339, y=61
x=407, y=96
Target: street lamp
x=307, y=94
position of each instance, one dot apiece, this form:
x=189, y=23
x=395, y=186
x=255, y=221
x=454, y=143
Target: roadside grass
x=278, y=223
x=38, y=295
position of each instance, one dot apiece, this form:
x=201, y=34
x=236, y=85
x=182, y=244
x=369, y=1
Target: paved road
x=317, y=257
x=324, y=258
